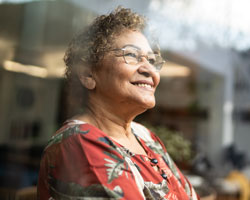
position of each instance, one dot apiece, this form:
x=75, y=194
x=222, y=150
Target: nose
x=146, y=68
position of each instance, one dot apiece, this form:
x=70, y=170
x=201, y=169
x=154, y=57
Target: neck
x=109, y=122
x=113, y=120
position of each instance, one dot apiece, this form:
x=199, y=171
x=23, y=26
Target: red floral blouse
x=82, y=162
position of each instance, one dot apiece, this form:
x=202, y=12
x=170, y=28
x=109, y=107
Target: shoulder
x=80, y=140
x=68, y=131
x=77, y=142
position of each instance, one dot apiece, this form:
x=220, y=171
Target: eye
x=151, y=61
x=130, y=54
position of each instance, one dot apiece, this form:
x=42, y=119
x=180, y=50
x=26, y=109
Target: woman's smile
x=145, y=85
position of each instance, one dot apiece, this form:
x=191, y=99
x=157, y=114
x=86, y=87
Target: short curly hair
x=90, y=46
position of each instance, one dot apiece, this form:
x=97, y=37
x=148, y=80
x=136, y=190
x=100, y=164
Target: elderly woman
x=102, y=152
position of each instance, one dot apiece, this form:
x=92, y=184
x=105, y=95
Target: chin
x=149, y=105
x=144, y=104
x=145, y=108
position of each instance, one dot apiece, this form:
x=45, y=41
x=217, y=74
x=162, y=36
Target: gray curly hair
x=89, y=47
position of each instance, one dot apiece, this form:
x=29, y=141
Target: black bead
x=154, y=161
x=164, y=176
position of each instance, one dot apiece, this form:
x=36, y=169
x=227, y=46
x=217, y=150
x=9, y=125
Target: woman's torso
x=97, y=159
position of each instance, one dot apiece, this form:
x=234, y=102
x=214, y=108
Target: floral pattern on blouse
x=82, y=162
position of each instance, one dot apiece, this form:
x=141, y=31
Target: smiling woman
x=102, y=153
x=130, y=87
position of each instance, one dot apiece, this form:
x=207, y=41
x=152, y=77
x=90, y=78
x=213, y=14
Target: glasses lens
x=131, y=55
x=158, y=62
x=159, y=65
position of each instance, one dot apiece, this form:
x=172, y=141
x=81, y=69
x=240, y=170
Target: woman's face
x=119, y=83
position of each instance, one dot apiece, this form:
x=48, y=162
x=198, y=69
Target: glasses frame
x=157, y=67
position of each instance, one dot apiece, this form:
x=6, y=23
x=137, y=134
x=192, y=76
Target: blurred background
x=203, y=100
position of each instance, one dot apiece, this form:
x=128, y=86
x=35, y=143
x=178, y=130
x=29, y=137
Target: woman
x=103, y=153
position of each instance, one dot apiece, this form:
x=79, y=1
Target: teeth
x=144, y=85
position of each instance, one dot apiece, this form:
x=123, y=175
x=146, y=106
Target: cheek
x=115, y=72
x=122, y=72
x=157, y=79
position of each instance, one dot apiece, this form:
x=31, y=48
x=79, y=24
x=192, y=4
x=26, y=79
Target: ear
x=86, y=78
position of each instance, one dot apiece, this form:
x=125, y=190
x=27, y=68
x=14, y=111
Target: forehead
x=134, y=38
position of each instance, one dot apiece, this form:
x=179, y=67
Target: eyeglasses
x=132, y=55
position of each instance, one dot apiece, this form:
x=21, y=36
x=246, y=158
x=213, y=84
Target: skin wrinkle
x=140, y=75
